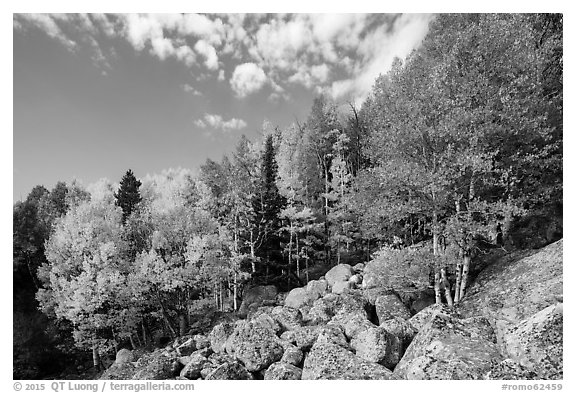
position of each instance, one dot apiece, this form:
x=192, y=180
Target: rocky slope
x=509, y=326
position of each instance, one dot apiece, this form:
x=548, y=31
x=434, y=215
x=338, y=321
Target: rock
x=450, y=348
x=537, y=343
x=265, y=320
x=427, y=314
x=371, y=294
x=306, y=336
x=332, y=334
x=421, y=302
x=401, y=329
x=292, y=355
x=317, y=288
x=330, y=361
x=220, y=358
x=255, y=344
x=201, y=341
x=509, y=369
x=351, y=323
x=207, y=370
x=339, y=273
x=289, y=336
x=282, y=371
x=299, y=297
x=187, y=347
x=119, y=371
x=288, y=318
x=192, y=369
x=358, y=268
x=390, y=306
x=340, y=287
x=219, y=335
x=124, y=356
x=229, y=371
x=355, y=280
x=155, y=366
x=378, y=346
x=516, y=287
x=256, y=296
x=321, y=312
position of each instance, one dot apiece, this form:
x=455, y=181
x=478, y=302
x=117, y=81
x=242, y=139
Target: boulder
x=358, y=268
x=124, y=356
x=351, y=323
x=331, y=361
x=401, y=329
x=450, y=348
x=119, y=371
x=516, y=287
x=192, y=369
x=378, y=346
x=321, y=311
x=339, y=273
x=282, y=371
x=155, y=366
x=317, y=288
x=340, y=287
x=299, y=297
x=390, y=306
x=511, y=370
x=332, y=334
x=292, y=355
x=536, y=343
x=426, y=315
x=187, y=347
x=288, y=318
x=264, y=319
x=256, y=296
x=229, y=371
x=356, y=280
x=306, y=336
x=255, y=344
x=219, y=335
x=201, y=341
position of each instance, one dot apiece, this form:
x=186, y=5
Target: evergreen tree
x=267, y=205
x=128, y=195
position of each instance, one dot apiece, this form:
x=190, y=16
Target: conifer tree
x=128, y=195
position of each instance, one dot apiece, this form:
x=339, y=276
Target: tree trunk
x=458, y=281
x=144, y=335
x=166, y=318
x=465, y=270
x=437, y=293
x=235, y=291
x=252, y=255
x=182, y=324
x=95, y=357
x=297, y=259
x=132, y=342
x=446, y=286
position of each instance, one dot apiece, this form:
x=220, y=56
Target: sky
x=97, y=94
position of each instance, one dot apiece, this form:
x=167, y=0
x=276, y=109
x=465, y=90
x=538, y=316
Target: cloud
x=216, y=122
x=46, y=23
x=190, y=89
x=209, y=54
x=247, y=78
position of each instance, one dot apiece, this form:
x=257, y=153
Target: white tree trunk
x=465, y=270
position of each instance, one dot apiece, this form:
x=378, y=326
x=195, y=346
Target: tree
x=128, y=195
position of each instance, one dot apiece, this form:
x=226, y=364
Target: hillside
x=509, y=326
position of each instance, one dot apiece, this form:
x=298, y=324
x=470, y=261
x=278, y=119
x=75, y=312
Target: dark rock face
x=509, y=369
x=282, y=371
x=330, y=361
x=537, y=342
x=257, y=296
x=450, y=348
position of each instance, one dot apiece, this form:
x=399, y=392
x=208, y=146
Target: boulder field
x=508, y=326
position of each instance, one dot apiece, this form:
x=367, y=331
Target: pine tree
x=128, y=195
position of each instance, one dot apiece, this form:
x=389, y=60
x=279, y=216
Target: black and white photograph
x=287, y=196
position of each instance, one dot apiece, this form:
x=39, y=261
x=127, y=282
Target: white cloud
x=247, y=79
x=190, y=89
x=217, y=122
x=46, y=23
x=209, y=54
x=221, y=75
